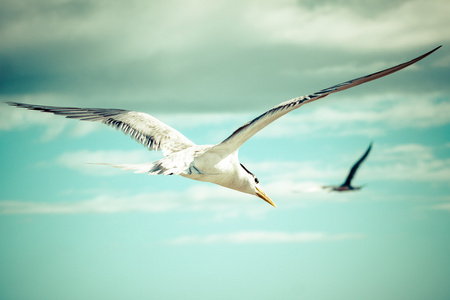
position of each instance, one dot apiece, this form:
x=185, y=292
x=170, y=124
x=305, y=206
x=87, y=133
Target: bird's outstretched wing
x=145, y=129
x=242, y=134
x=356, y=166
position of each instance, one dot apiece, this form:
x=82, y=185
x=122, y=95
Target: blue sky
x=71, y=230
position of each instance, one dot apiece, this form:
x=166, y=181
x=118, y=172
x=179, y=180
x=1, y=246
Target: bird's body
x=222, y=169
x=347, y=185
x=219, y=163
x=345, y=188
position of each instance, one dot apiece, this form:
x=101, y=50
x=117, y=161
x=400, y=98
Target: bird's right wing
x=145, y=129
x=242, y=134
x=356, y=166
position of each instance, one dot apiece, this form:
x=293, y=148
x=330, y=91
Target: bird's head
x=254, y=187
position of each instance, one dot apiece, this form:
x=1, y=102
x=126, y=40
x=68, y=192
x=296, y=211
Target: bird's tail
x=137, y=168
x=328, y=188
x=163, y=166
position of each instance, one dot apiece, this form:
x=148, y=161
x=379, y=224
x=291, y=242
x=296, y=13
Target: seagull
x=218, y=163
x=347, y=185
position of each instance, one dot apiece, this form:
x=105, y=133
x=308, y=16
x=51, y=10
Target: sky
x=72, y=230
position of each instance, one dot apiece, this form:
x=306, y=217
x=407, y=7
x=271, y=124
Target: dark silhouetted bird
x=347, y=185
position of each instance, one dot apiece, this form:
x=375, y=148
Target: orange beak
x=263, y=196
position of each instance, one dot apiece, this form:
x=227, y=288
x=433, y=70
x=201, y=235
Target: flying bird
x=347, y=185
x=218, y=163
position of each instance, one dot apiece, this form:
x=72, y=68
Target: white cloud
x=146, y=28
x=443, y=206
x=368, y=116
x=99, y=204
x=410, y=152
x=202, y=120
x=263, y=237
x=306, y=187
x=399, y=162
x=403, y=162
x=408, y=162
x=156, y=55
x=219, y=201
x=13, y=118
x=343, y=26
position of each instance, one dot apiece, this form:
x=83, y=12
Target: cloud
x=443, y=206
x=409, y=162
x=398, y=162
x=282, y=185
x=174, y=29
x=372, y=116
x=201, y=55
x=13, y=118
x=402, y=162
x=218, y=201
x=411, y=152
x=306, y=187
x=344, y=25
x=405, y=162
x=367, y=116
x=99, y=204
x=262, y=237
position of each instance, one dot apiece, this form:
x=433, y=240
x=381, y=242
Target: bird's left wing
x=242, y=134
x=356, y=166
x=145, y=129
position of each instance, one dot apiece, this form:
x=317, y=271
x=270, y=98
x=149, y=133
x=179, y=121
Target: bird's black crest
x=256, y=179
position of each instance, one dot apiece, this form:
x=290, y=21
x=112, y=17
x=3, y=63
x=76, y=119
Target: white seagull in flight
x=219, y=163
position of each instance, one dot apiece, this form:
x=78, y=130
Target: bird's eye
x=256, y=180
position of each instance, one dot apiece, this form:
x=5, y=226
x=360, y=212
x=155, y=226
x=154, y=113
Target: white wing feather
x=145, y=129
